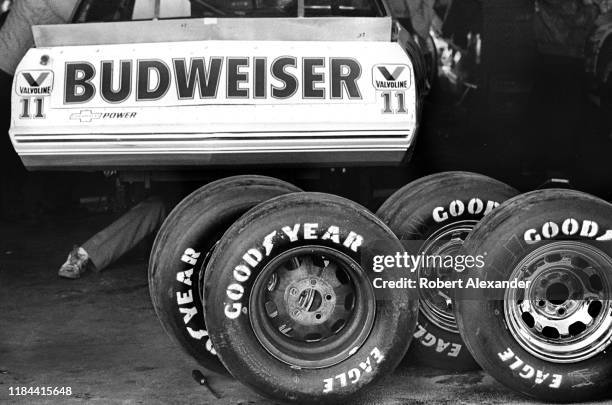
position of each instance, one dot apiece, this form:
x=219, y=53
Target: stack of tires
x=254, y=277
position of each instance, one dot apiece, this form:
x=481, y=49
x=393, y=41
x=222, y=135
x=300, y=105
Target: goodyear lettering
x=352, y=241
x=235, y=291
x=456, y=208
x=243, y=77
x=568, y=227
x=184, y=299
x=241, y=274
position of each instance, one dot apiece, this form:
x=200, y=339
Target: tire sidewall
x=183, y=246
x=429, y=206
x=235, y=339
x=481, y=314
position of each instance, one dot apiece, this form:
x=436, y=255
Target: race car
x=251, y=82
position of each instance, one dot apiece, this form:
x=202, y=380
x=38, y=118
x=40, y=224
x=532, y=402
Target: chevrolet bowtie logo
x=85, y=116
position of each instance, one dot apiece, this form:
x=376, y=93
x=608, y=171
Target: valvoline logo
x=391, y=77
x=34, y=83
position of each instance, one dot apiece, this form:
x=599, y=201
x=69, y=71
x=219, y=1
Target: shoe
x=75, y=264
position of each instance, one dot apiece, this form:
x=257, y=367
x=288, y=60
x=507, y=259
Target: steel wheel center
x=556, y=291
x=310, y=301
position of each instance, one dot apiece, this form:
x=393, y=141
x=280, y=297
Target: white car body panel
x=221, y=128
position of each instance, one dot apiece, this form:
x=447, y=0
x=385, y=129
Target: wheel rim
x=563, y=315
x=312, y=307
x=436, y=304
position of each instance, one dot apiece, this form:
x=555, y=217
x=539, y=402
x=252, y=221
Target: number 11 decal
x=38, y=108
x=388, y=101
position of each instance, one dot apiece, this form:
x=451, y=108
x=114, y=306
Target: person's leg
x=125, y=233
x=116, y=239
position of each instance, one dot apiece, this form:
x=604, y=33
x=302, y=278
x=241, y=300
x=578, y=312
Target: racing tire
x=436, y=212
x=290, y=303
x=182, y=248
x=550, y=339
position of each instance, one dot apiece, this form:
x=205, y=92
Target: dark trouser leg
x=126, y=232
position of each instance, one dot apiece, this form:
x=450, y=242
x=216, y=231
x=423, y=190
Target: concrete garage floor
x=99, y=335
